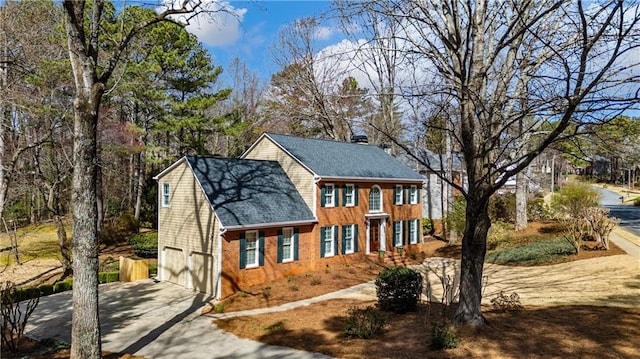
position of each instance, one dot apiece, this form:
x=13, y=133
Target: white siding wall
x=302, y=179
x=188, y=223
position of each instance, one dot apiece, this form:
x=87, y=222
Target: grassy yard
x=38, y=241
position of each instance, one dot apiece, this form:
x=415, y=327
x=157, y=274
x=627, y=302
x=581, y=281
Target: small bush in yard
x=144, y=245
x=505, y=303
x=443, y=336
x=364, y=323
x=15, y=315
x=398, y=289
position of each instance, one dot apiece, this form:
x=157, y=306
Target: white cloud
x=324, y=33
x=217, y=24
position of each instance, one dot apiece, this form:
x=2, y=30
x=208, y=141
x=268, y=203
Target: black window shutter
x=335, y=240
x=344, y=238
x=322, y=242
x=295, y=244
x=323, y=191
x=355, y=195
x=355, y=238
x=280, y=242
x=261, y=248
x=243, y=251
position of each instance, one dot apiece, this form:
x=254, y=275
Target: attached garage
x=173, y=265
x=203, y=272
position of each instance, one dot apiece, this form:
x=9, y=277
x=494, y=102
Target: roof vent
x=362, y=139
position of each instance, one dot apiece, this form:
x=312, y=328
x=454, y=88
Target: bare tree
x=559, y=63
x=380, y=60
x=92, y=69
x=312, y=88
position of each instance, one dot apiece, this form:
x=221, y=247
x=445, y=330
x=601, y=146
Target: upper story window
x=328, y=195
x=414, y=195
x=397, y=194
x=375, y=199
x=166, y=195
x=349, y=195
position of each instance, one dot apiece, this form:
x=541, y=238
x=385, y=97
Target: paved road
x=154, y=320
x=629, y=215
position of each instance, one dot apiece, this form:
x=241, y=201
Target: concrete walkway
x=627, y=241
x=357, y=291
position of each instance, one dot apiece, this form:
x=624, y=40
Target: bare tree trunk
x=522, y=190
x=474, y=246
x=99, y=192
x=4, y=178
x=65, y=246
x=85, y=327
x=139, y=184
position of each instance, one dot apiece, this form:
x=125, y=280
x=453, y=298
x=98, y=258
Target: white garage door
x=203, y=273
x=174, y=266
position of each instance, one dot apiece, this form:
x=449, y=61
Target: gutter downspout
x=219, y=264
x=316, y=180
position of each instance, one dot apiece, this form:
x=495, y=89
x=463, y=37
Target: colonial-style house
x=288, y=206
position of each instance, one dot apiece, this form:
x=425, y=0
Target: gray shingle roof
x=249, y=192
x=342, y=159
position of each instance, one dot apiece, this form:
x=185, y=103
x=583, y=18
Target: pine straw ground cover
x=535, y=332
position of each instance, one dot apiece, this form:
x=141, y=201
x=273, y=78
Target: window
x=166, y=192
x=413, y=231
x=328, y=241
x=287, y=245
x=414, y=194
x=349, y=238
x=397, y=194
x=397, y=233
x=375, y=199
x=329, y=195
x=251, y=249
x=349, y=195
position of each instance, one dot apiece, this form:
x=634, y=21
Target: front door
x=374, y=235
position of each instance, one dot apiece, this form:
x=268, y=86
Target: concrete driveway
x=154, y=320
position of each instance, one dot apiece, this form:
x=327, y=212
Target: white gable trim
x=170, y=168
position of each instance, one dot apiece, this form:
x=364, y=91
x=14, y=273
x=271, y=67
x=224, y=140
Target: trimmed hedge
x=145, y=245
x=63, y=286
x=398, y=289
x=108, y=277
x=48, y=289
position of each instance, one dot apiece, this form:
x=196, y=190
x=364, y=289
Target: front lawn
x=542, y=251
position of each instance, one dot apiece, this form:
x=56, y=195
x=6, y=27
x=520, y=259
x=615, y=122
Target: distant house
x=435, y=193
x=288, y=206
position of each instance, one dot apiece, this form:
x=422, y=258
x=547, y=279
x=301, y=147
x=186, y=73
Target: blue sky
x=253, y=31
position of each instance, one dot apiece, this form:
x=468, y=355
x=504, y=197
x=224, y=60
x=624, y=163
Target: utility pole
x=553, y=173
